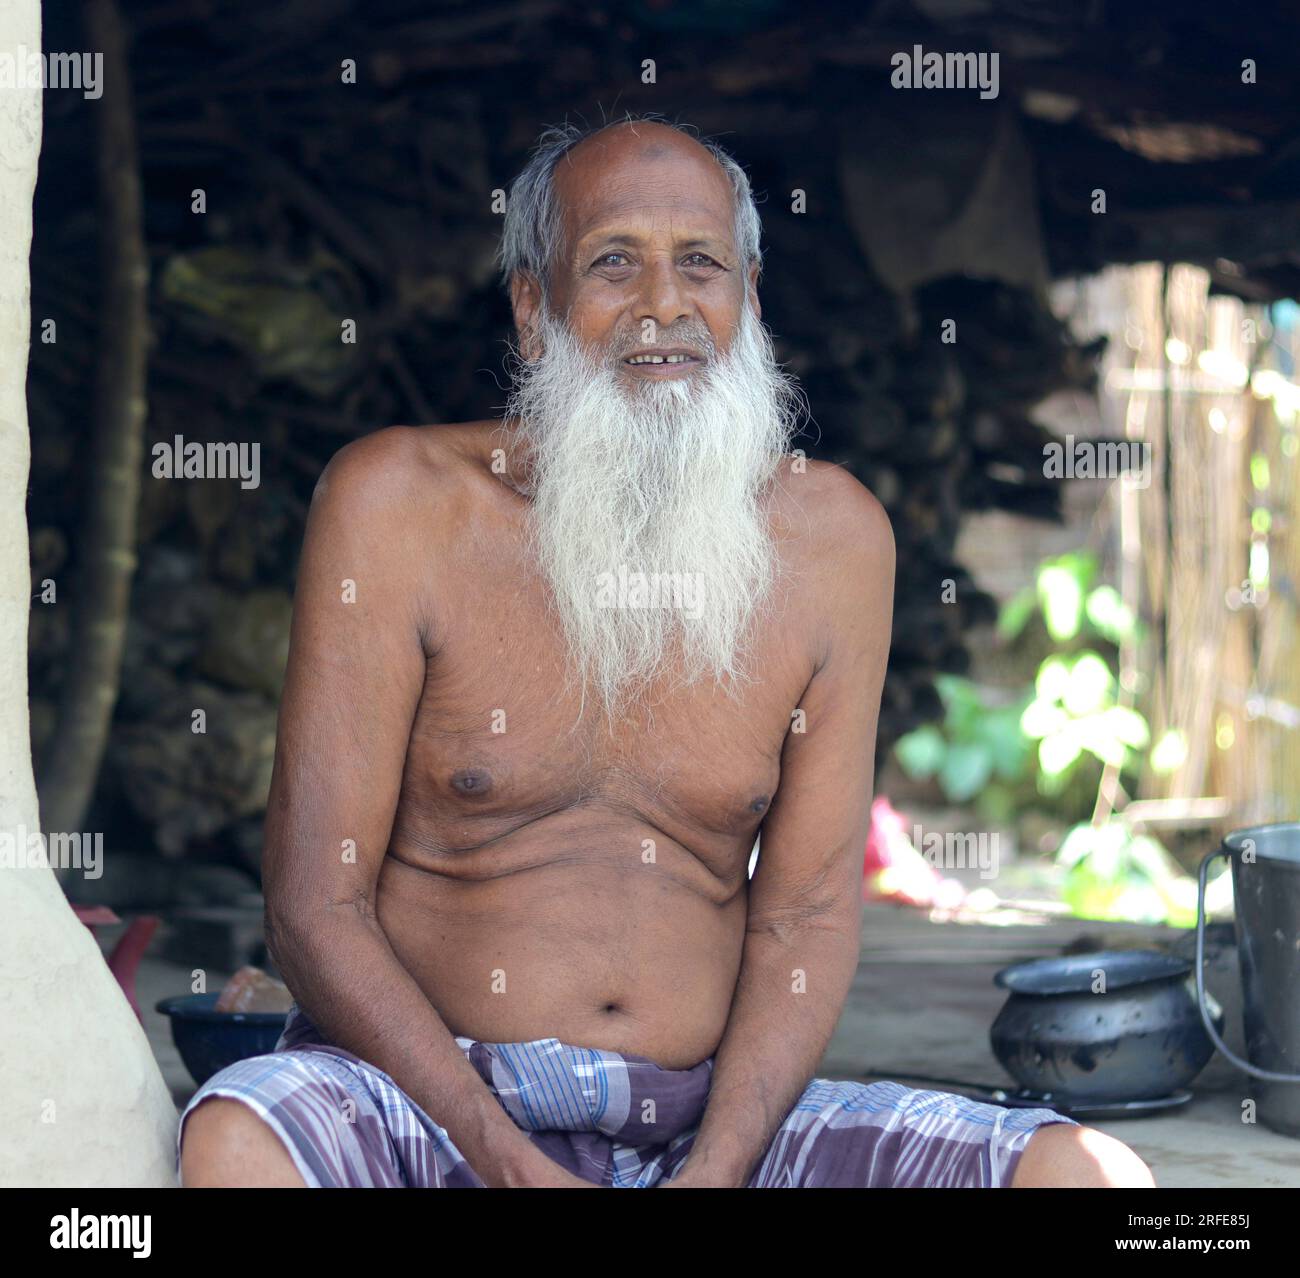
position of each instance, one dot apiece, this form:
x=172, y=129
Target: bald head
x=647, y=140
x=533, y=222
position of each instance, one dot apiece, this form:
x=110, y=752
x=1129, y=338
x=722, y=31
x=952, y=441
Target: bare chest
x=500, y=750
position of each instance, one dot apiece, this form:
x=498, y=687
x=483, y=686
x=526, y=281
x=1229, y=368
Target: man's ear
x=753, y=291
x=526, y=304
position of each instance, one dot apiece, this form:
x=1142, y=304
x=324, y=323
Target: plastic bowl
x=208, y=1040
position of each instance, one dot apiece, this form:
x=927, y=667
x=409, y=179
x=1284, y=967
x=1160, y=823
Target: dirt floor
x=923, y=1000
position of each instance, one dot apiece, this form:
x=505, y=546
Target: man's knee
x=1065, y=1156
x=226, y=1144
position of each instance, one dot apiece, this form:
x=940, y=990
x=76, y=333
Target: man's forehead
x=625, y=177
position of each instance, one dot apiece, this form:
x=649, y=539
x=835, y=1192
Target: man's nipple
x=471, y=781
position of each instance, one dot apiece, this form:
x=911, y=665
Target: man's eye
x=700, y=259
x=605, y=261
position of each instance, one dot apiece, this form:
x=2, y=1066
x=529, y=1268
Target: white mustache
x=695, y=338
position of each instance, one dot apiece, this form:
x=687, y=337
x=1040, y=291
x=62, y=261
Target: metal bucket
x=1266, y=894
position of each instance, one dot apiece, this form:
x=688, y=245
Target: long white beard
x=647, y=518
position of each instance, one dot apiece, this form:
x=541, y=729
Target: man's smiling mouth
x=661, y=363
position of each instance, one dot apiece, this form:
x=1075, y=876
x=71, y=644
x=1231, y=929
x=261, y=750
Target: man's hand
x=697, y=1172
x=540, y=1172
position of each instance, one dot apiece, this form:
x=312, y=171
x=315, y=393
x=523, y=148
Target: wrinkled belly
x=594, y=950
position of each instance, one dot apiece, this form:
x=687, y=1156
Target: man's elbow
x=789, y=923
x=298, y=927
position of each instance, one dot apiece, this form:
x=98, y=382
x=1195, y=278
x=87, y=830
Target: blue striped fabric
x=615, y=1120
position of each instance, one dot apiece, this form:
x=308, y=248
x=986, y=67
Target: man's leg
x=227, y=1146
x=1066, y=1157
x=884, y=1135
x=314, y=1116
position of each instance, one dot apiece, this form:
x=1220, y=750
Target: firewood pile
x=284, y=194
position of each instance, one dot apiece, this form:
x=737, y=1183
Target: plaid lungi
x=615, y=1120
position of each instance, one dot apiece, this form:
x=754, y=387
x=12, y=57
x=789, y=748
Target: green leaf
x=1111, y=616
x=1052, y=679
x=962, y=705
x=1094, y=736
x=1089, y=685
x=1042, y=718
x=1000, y=731
x=1128, y=726
x=1062, y=600
x=1016, y=612
x=965, y=770
x=1076, y=845
x=921, y=751
x=1057, y=752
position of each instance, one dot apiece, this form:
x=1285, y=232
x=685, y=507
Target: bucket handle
x=1254, y=1070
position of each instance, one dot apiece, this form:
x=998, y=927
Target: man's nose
x=662, y=300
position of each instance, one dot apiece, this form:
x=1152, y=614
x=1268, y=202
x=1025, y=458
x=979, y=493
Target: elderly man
x=550, y=677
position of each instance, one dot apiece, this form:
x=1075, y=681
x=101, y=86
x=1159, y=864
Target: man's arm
x=803, y=931
x=356, y=672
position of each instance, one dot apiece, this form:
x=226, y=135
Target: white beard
x=647, y=518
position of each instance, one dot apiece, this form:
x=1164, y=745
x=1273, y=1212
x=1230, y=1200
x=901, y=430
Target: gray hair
x=533, y=231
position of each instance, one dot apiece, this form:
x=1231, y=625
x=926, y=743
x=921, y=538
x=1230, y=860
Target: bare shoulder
x=386, y=468
x=841, y=521
x=383, y=510
x=404, y=485
x=841, y=549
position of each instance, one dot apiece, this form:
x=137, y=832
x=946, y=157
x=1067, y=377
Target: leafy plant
x=977, y=754
x=1069, y=603
x=1072, y=724
x=1117, y=874
x=1076, y=711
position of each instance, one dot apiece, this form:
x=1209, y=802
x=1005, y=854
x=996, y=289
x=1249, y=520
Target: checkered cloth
x=614, y=1120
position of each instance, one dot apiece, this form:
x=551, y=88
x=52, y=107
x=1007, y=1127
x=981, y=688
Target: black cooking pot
x=1117, y=1025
